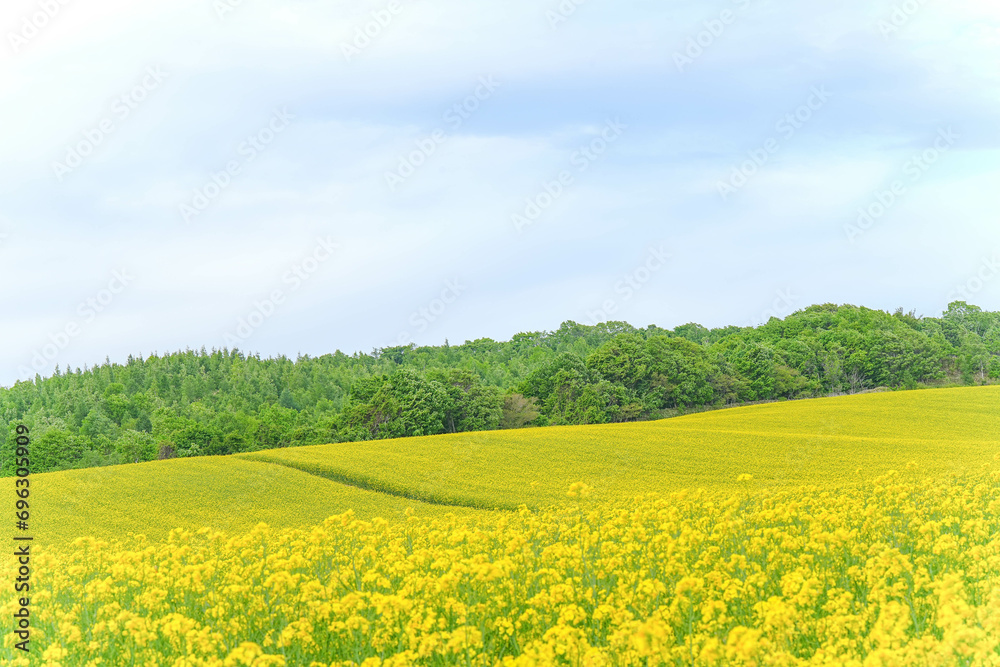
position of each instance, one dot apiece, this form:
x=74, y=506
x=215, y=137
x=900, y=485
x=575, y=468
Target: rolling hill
x=817, y=441
x=828, y=441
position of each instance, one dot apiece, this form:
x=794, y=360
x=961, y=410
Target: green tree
x=518, y=411
x=623, y=360
x=680, y=373
x=404, y=404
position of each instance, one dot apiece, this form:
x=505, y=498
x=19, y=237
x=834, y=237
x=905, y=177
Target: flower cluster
x=904, y=570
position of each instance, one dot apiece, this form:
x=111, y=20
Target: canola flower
x=792, y=443
x=904, y=570
x=842, y=440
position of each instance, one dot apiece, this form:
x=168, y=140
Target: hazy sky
x=305, y=176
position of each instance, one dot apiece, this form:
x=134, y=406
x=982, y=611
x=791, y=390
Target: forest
x=196, y=403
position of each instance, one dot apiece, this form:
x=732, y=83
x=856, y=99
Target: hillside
x=220, y=493
x=830, y=441
x=818, y=441
x=223, y=402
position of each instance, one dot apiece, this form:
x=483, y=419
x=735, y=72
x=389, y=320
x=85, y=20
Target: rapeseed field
x=903, y=570
x=834, y=559
x=217, y=492
x=837, y=440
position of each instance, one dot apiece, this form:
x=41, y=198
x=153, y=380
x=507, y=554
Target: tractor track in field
x=376, y=486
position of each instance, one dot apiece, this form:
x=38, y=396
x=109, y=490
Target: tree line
x=194, y=403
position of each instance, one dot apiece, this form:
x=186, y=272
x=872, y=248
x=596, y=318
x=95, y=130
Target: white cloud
x=326, y=173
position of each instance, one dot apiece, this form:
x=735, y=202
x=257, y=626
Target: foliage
x=518, y=411
x=211, y=403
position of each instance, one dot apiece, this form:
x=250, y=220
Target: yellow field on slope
x=861, y=568
x=801, y=442
x=838, y=440
x=220, y=493
x=903, y=571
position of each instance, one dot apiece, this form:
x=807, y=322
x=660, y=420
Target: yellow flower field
x=837, y=559
x=904, y=570
x=818, y=441
x=222, y=493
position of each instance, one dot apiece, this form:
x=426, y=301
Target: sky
x=303, y=176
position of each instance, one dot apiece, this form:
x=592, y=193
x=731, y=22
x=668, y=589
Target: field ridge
x=361, y=481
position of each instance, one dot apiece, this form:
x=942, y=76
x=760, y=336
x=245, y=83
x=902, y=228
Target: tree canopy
x=223, y=401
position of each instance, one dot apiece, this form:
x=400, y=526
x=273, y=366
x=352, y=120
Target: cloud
x=560, y=81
